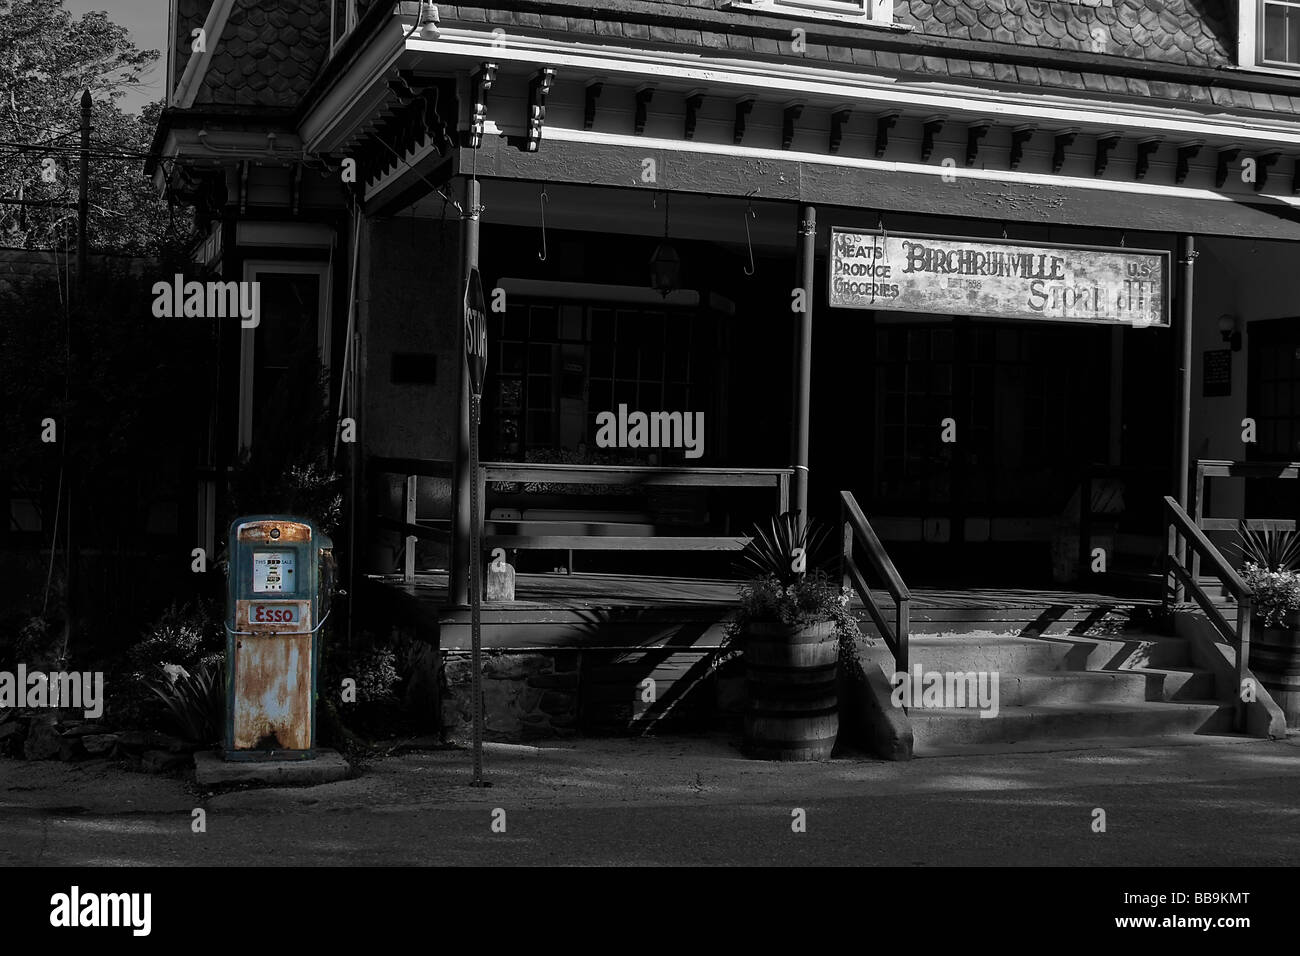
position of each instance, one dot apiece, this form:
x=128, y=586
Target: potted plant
x=793, y=619
x=1270, y=571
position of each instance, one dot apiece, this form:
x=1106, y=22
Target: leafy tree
x=47, y=59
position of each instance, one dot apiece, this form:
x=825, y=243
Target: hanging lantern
x=665, y=269
x=665, y=264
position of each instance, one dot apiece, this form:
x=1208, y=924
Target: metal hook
x=542, y=201
x=1123, y=238
x=749, y=243
x=1004, y=230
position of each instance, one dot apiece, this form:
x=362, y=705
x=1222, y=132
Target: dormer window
x=1268, y=35
x=855, y=11
x=1279, y=40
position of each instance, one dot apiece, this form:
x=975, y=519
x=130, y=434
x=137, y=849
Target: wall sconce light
x=1228, y=330
x=429, y=21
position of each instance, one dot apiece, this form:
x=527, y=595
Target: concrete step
x=1041, y=722
x=987, y=650
x=1080, y=688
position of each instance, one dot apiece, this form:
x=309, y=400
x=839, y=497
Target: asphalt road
x=650, y=803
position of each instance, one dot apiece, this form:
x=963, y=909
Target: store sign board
x=1089, y=285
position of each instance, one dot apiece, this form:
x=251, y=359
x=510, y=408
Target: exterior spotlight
x=429, y=21
x=1228, y=330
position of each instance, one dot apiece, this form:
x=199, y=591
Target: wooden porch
x=608, y=611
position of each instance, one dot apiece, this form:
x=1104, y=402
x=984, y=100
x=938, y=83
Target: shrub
x=196, y=703
x=1277, y=594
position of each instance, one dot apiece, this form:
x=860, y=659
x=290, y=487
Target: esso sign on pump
x=274, y=614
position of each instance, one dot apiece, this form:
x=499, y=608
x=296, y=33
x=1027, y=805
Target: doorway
x=1273, y=396
x=982, y=433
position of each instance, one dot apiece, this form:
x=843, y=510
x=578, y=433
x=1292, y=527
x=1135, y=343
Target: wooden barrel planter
x=792, y=710
x=1275, y=660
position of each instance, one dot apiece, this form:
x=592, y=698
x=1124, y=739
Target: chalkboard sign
x=1216, y=374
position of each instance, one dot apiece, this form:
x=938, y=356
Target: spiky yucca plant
x=196, y=702
x=771, y=552
x=1271, y=549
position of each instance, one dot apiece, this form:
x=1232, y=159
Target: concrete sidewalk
x=683, y=800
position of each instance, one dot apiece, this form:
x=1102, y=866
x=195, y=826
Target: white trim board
x=919, y=169
x=869, y=91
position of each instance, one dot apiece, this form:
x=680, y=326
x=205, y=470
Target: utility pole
x=83, y=200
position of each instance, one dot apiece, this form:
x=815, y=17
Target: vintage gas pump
x=281, y=578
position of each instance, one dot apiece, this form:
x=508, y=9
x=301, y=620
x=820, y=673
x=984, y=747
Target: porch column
x=1184, y=390
x=458, y=586
x=803, y=380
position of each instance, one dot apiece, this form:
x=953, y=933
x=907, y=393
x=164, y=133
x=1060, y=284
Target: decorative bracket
x=884, y=123
x=644, y=94
x=1263, y=163
x=743, y=109
x=538, y=86
x=592, y=94
x=1060, y=143
x=694, y=100
x=1106, y=143
x=839, y=119
x=1146, y=148
x=1186, y=153
x=1226, y=156
x=791, y=113
x=481, y=81
x=1019, y=136
x=974, y=133
x=929, y=130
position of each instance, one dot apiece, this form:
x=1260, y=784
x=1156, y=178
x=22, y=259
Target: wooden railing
x=414, y=529
x=1206, y=469
x=412, y=470
x=1182, y=530
x=857, y=530
x=777, y=479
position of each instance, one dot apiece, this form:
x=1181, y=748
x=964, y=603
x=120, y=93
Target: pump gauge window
x=272, y=571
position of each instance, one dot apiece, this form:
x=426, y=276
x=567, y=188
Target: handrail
x=412, y=470
x=857, y=530
x=1180, y=527
x=566, y=474
x=630, y=475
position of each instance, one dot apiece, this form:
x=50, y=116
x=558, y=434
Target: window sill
x=1266, y=68
x=823, y=16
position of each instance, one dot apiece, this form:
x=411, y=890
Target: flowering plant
x=1277, y=594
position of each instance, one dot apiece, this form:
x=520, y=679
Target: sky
x=146, y=20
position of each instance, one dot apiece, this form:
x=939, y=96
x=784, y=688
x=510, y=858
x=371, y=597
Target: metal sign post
x=476, y=358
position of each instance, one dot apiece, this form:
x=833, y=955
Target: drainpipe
x=803, y=383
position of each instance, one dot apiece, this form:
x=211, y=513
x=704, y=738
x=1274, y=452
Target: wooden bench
x=592, y=531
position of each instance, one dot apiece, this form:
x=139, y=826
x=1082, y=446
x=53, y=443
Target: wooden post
x=408, y=558
x=1244, y=611
x=803, y=383
x=83, y=197
x=1184, y=391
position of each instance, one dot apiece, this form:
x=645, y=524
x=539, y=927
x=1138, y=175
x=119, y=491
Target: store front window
x=555, y=365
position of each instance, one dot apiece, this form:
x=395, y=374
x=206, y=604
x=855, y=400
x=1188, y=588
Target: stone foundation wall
x=524, y=694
